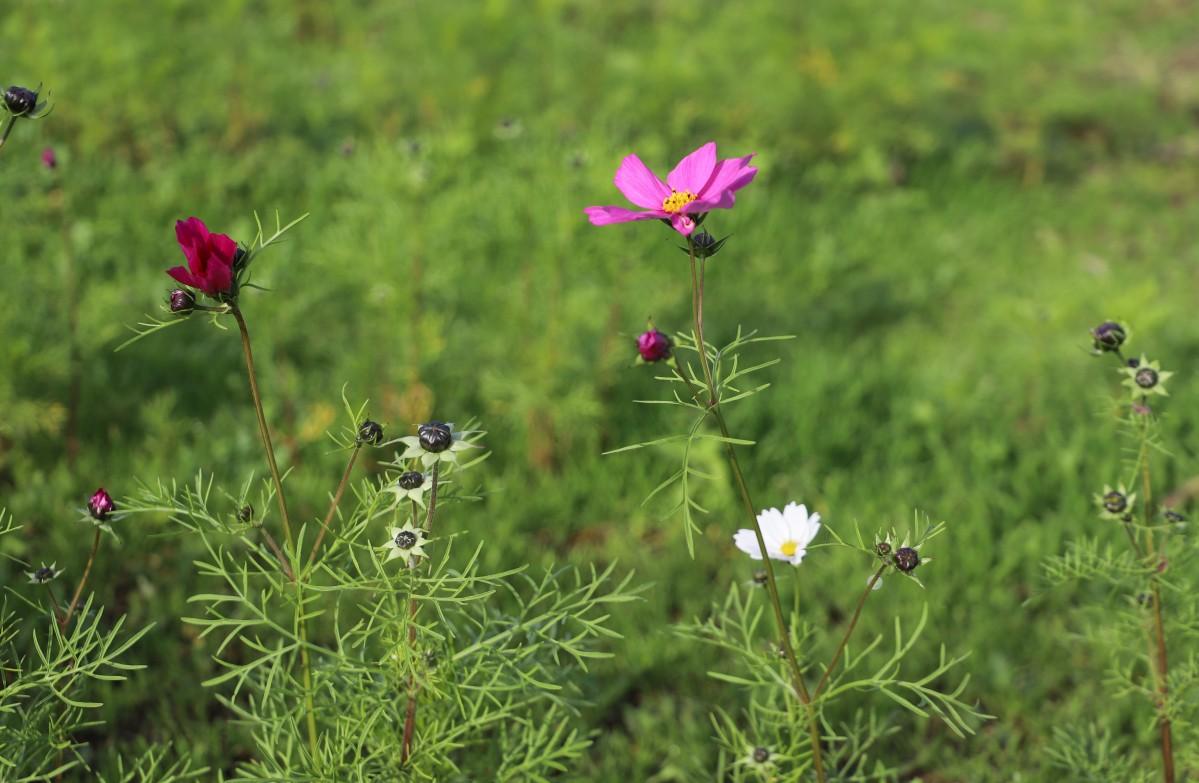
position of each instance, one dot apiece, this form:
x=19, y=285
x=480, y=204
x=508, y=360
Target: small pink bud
x=49, y=159
x=653, y=346
x=101, y=504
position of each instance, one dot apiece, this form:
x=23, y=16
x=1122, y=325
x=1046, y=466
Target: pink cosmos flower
x=699, y=183
x=209, y=258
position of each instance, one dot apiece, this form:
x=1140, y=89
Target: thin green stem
x=1161, y=660
x=341, y=488
x=263, y=430
x=828, y=672
x=800, y=687
x=87, y=570
x=292, y=571
x=410, y=712
x=12, y=120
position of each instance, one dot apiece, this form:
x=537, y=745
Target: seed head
x=761, y=755
x=405, y=539
x=906, y=559
x=883, y=548
x=1115, y=502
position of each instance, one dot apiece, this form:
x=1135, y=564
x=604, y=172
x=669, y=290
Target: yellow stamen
x=675, y=202
x=789, y=548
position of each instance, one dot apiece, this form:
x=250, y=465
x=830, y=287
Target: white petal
x=747, y=542
x=878, y=583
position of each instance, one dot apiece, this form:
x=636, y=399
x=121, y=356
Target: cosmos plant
x=791, y=727
x=1139, y=550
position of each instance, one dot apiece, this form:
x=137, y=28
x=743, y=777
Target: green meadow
x=950, y=196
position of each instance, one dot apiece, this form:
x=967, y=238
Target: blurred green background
x=949, y=198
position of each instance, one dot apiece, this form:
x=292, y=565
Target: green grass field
x=949, y=198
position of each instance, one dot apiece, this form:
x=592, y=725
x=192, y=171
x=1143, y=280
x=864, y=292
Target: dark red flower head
x=210, y=258
x=100, y=504
x=653, y=346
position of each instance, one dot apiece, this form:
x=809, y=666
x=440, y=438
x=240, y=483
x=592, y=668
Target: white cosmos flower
x=787, y=534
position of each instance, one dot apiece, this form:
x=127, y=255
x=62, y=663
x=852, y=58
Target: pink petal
x=218, y=279
x=722, y=200
x=224, y=246
x=183, y=276
x=729, y=174
x=682, y=224
x=639, y=185
x=603, y=216
x=693, y=171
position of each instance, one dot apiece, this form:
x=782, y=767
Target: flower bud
x=181, y=301
x=370, y=432
x=100, y=504
x=49, y=159
x=704, y=245
x=761, y=755
x=435, y=436
x=245, y=514
x=20, y=100
x=654, y=346
x=761, y=577
x=883, y=548
x=1108, y=336
x=412, y=479
x=906, y=559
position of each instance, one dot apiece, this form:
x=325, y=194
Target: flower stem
x=801, y=689
x=91, y=558
x=410, y=716
x=1161, y=665
x=301, y=623
x=263, y=430
x=12, y=120
x=341, y=488
x=848, y=631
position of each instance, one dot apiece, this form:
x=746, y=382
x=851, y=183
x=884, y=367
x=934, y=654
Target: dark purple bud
x=435, y=436
x=412, y=479
x=101, y=504
x=1108, y=336
x=245, y=514
x=405, y=539
x=181, y=301
x=370, y=432
x=19, y=100
x=653, y=346
x=883, y=548
x=761, y=755
x=906, y=559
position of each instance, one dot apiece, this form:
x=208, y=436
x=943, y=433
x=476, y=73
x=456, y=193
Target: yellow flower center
x=788, y=548
x=675, y=202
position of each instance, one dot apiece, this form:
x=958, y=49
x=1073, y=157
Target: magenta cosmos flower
x=699, y=183
x=209, y=258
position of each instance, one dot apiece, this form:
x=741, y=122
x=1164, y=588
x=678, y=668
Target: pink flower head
x=653, y=346
x=101, y=504
x=210, y=258
x=699, y=183
x=49, y=159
